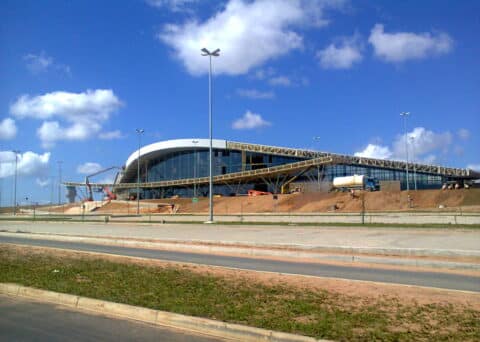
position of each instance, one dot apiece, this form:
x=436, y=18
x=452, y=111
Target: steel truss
x=352, y=160
x=229, y=178
x=269, y=174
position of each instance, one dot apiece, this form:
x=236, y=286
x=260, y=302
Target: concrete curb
x=385, y=256
x=189, y=323
x=386, y=218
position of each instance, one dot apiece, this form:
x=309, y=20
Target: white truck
x=355, y=182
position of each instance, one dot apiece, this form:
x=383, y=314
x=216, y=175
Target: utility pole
x=139, y=131
x=15, y=183
x=412, y=140
x=59, y=182
x=405, y=115
x=215, y=53
x=316, y=139
x=52, y=183
x=195, y=142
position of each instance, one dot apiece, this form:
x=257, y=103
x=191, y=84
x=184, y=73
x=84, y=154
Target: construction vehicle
x=451, y=185
x=258, y=193
x=105, y=189
x=355, y=182
x=110, y=195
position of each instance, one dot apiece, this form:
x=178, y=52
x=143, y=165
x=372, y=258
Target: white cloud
x=403, y=46
x=282, y=81
x=89, y=168
x=250, y=121
x=38, y=63
x=264, y=73
x=271, y=76
x=42, y=182
x=28, y=164
x=172, y=5
x=83, y=113
x=117, y=134
x=423, y=146
x=249, y=33
x=8, y=129
x=42, y=62
x=475, y=167
x=422, y=143
x=255, y=94
x=375, y=151
x=342, y=56
x=463, y=133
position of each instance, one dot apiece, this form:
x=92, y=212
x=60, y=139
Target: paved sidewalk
x=305, y=237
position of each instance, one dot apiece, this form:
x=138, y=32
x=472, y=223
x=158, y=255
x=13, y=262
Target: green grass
x=315, y=313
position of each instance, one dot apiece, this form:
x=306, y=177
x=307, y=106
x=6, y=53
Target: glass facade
x=424, y=181
x=194, y=164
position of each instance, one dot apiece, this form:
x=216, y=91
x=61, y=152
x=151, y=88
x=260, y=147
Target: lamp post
x=52, y=185
x=215, y=53
x=405, y=115
x=15, y=183
x=316, y=139
x=412, y=141
x=59, y=182
x=195, y=142
x=139, y=131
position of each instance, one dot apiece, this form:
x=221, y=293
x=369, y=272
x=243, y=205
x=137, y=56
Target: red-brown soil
x=431, y=200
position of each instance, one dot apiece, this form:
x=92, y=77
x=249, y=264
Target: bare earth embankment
x=422, y=200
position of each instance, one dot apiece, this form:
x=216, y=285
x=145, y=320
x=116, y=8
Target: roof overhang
x=168, y=146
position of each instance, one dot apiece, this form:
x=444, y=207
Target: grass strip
x=316, y=313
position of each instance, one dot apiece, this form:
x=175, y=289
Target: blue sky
x=77, y=78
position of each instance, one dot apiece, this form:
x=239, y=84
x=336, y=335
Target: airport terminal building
x=181, y=167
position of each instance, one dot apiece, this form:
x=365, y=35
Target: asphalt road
x=22, y=320
x=430, y=279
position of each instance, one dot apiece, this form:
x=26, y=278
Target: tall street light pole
x=59, y=182
x=412, y=141
x=215, y=53
x=52, y=185
x=139, y=131
x=195, y=142
x=15, y=183
x=405, y=115
x=316, y=139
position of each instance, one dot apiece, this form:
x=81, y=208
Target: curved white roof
x=167, y=146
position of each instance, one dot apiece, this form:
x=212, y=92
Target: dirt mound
x=61, y=208
x=465, y=200
x=468, y=200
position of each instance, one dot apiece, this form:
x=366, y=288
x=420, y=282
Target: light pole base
x=209, y=222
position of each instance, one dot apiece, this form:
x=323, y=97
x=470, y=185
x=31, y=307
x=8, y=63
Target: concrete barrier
x=355, y=218
x=48, y=296
x=447, y=218
x=122, y=310
x=9, y=289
